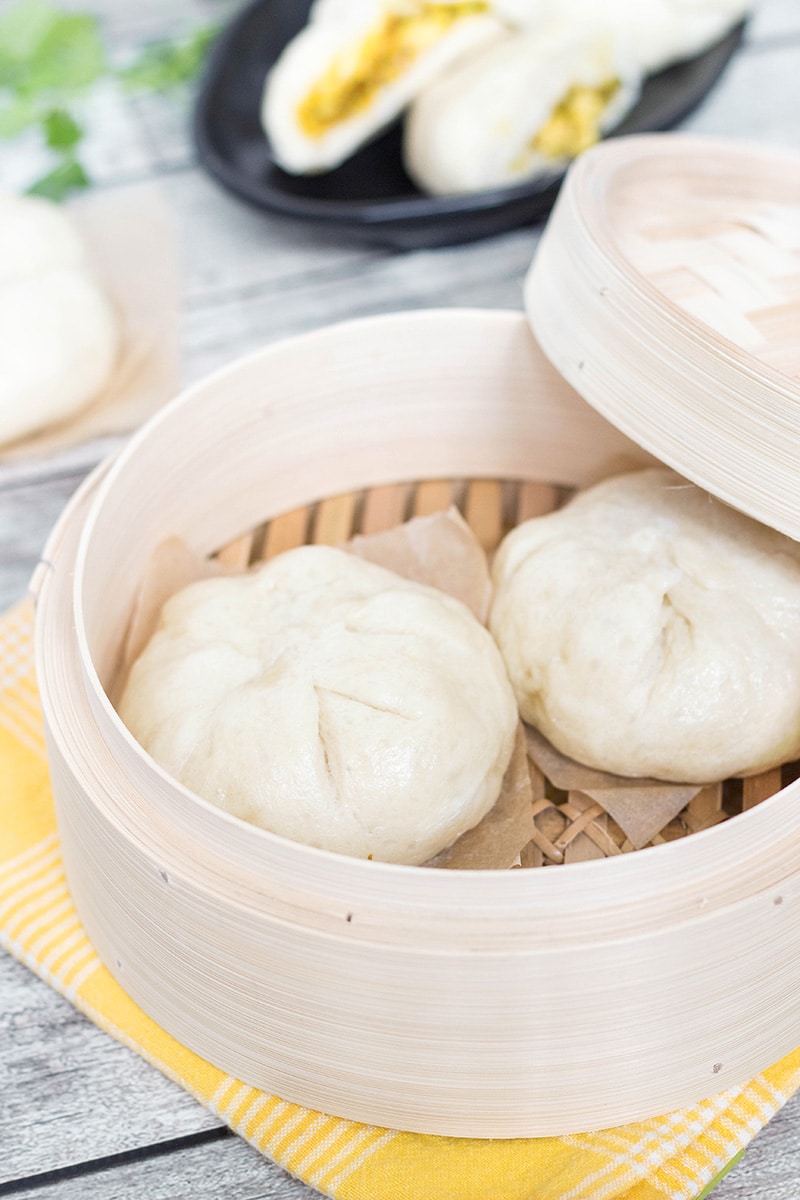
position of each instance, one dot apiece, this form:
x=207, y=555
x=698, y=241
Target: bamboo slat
x=433, y=496
x=286, y=531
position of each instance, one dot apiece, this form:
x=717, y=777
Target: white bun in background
x=35, y=235
x=335, y=33
x=330, y=701
x=60, y=333
x=472, y=129
x=655, y=32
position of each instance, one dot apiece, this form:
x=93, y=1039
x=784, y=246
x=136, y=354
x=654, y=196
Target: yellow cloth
x=676, y=1156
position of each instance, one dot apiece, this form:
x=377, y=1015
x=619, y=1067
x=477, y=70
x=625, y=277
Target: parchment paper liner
x=440, y=551
x=641, y=807
x=132, y=243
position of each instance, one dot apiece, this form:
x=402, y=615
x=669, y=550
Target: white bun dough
x=650, y=630
x=60, y=334
x=342, y=39
x=510, y=112
x=329, y=701
x=656, y=32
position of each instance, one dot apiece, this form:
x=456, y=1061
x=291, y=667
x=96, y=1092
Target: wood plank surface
x=231, y=1170
x=70, y=1092
x=27, y=512
x=76, y=1104
x=225, y=1169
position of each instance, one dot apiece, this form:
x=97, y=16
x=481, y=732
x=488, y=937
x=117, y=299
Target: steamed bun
x=329, y=701
x=650, y=630
x=521, y=108
x=656, y=32
x=354, y=68
x=60, y=333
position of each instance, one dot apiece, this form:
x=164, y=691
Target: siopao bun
x=60, y=333
x=342, y=40
x=479, y=126
x=650, y=630
x=657, y=32
x=330, y=701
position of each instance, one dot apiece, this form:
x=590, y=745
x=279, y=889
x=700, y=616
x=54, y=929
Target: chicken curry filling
x=353, y=79
x=575, y=123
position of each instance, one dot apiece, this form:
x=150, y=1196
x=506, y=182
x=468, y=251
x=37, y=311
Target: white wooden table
x=80, y=1116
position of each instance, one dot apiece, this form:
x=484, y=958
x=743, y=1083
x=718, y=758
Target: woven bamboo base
x=568, y=826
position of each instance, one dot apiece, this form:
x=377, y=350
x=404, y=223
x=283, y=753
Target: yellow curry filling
x=575, y=124
x=353, y=79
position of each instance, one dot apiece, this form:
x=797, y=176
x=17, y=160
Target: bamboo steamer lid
x=666, y=289
x=490, y=1004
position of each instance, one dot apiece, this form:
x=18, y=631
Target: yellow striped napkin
x=678, y=1156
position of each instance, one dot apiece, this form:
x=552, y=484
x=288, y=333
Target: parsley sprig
x=168, y=64
x=49, y=58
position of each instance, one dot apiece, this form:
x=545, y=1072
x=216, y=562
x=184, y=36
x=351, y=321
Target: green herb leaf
x=24, y=28
x=47, y=56
x=61, y=130
x=44, y=50
x=68, y=176
x=70, y=58
x=164, y=65
x=19, y=114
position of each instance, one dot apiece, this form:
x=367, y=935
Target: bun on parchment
x=329, y=701
x=650, y=630
x=60, y=333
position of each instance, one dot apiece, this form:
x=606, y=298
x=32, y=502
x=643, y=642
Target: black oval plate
x=370, y=197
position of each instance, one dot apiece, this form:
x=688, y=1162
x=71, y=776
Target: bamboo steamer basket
x=490, y=1004
x=679, y=260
